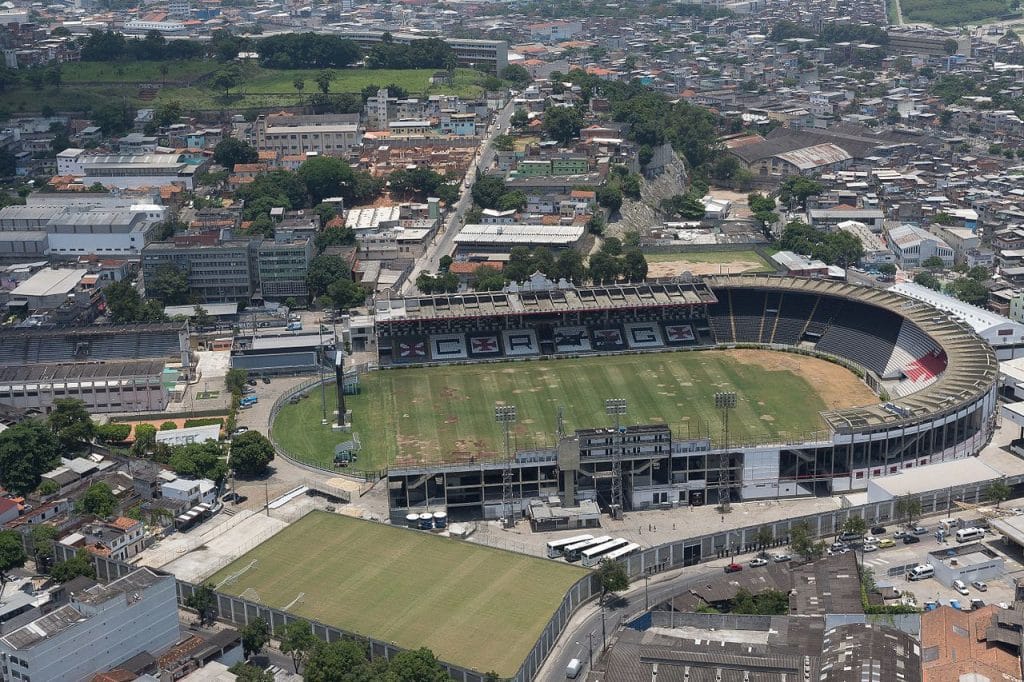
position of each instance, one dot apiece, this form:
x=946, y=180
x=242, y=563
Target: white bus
x=621, y=552
x=968, y=534
x=592, y=555
x=573, y=552
x=556, y=547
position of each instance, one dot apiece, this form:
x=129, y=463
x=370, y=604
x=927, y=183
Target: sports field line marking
x=235, y=576
x=294, y=601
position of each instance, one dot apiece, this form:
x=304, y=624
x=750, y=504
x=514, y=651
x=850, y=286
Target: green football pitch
x=474, y=606
x=446, y=413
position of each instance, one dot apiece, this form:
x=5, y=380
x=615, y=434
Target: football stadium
x=692, y=391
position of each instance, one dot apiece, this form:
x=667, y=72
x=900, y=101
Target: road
x=585, y=625
x=443, y=243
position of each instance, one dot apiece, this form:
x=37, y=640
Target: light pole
x=724, y=401
x=506, y=415
x=617, y=407
x=590, y=655
x=647, y=601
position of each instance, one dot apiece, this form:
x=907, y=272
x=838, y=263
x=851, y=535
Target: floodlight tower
x=725, y=401
x=617, y=408
x=506, y=415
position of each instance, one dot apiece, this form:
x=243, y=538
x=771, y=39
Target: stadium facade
x=934, y=376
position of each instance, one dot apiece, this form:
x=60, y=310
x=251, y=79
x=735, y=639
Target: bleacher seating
x=794, y=311
x=862, y=333
x=21, y=346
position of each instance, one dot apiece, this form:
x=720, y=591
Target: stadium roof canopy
x=555, y=300
x=993, y=327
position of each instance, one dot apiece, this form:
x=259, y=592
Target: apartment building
x=221, y=272
x=328, y=134
x=101, y=627
x=282, y=264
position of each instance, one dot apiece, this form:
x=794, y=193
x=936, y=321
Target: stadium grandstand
x=933, y=374
x=110, y=368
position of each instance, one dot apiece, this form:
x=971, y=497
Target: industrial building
x=473, y=239
x=327, y=134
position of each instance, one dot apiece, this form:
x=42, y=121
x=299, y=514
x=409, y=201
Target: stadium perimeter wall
x=669, y=556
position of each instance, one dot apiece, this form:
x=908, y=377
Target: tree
x=612, y=576
x=323, y=271
x=198, y=460
x=27, y=451
x=327, y=176
x=803, y=543
x=339, y=661
x=604, y=269
x=998, y=492
x=685, y=206
x=98, y=499
x=487, y=279
x=79, y=565
x=856, y=525
x=416, y=666
x=763, y=537
x=203, y=601
x=517, y=74
x=226, y=78
x=235, y=380
x=126, y=306
x=113, y=432
x=979, y=273
x=255, y=636
x=323, y=80
x=145, y=436
x=297, y=641
x=71, y=423
x=969, y=290
x=887, y=270
x=927, y=279
x=41, y=539
x=244, y=672
x=231, y=151
x=634, y=266
x=168, y=426
x=112, y=118
x=520, y=119
x=569, y=265
x=562, y=123
x=907, y=508
x=299, y=84
x=12, y=554
x=346, y=294
x=610, y=198
x=169, y=285
x=251, y=452
x=800, y=188
x=933, y=263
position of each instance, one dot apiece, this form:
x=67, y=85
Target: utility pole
x=506, y=415
x=724, y=401
x=617, y=407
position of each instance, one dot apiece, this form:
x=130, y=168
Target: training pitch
x=474, y=606
x=441, y=413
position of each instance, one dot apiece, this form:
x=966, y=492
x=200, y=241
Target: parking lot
x=888, y=565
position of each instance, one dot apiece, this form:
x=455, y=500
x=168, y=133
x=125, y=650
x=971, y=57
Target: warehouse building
x=502, y=238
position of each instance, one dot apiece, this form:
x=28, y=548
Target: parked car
x=920, y=530
x=266, y=380
x=755, y=563
x=781, y=558
x=1017, y=511
x=878, y=530
x=234, y=497
x=240, y=430
x=248, y=391
x=980, y=585
x=850, y=537
x=955, y=604
x=733, y=568
x=900, y=534
x=977, y=604
x=869, y=547
x=931, y=605
x=910, y=539
x=960, y=587
x=251, y=382
x=886, y=542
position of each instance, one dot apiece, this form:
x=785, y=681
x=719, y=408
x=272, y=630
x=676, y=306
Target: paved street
x=442, y=245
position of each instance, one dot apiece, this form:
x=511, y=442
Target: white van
x=921, y=572
x=968, y=534
x=572, y=671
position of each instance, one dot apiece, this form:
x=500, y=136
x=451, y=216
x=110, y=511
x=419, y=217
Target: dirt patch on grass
x=676, y=267
x=837, y=386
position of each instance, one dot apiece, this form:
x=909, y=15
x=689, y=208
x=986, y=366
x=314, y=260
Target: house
x=189, y=493
x=800, y=266
x=8, y=510
x=121, y=538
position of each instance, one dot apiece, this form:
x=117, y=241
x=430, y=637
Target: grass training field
x=472, y=605
x=952, y=12
x=90, y=84
x=427, y=414
x=706, y=263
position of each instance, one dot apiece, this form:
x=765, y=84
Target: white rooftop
x=930, y=477
x=979, y=318
x=50, y=282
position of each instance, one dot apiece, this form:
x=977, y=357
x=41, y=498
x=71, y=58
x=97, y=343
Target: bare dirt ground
x=837, y=386
x=677, y=267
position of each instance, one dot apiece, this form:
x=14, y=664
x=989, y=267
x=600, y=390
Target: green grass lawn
x=90, y=84
x=473, y=606
x=952, y=12
x=427, y=414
